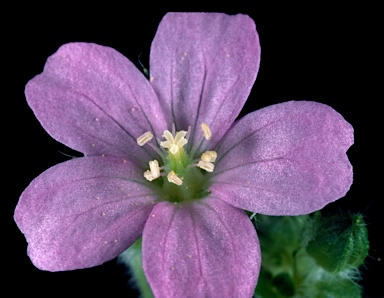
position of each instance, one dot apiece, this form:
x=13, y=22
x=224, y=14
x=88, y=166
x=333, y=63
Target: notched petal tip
x=298, y=163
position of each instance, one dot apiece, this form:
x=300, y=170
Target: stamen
x=173, y=178
x=144, y=138
x=148, y=175
x=205, y=165
x=154, y=168
x=153, y=172
x=206, y=131
x=207, y=135
x=209, y=156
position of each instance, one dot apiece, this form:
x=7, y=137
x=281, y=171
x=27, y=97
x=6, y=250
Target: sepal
x=340, y=243
x=132, y=258
x=311, y=255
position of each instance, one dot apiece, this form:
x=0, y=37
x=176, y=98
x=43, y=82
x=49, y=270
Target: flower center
x=179, y=176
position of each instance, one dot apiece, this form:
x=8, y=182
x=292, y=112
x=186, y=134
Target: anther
x=153, y=172
x=173, y=178
x=148, y=175
x=209, y=156
x=154, y=168
x=206, y=131
x=144, y=138
x=205, y=165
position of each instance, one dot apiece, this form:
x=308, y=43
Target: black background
x=320, y=53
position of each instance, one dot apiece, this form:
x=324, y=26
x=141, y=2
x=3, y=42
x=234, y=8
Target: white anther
x=205, y=165
x=154, y=168
x=153, y=172
x=174, y=143
x=209, y=156
x=206, y=131
x=144, y=138
x=148, y=175
x=173, y=178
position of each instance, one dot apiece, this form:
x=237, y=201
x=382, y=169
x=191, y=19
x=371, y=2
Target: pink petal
x=203, y=249
x=203, y=66
x=94, y=100
x=83, y=212
x=285, y=159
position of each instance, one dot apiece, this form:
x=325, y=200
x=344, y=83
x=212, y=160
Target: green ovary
x=195, y=181
x=180, y=178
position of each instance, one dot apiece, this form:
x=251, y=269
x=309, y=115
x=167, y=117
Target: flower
x=164, y=159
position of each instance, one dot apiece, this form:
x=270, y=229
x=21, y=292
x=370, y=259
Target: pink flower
x=182, y=190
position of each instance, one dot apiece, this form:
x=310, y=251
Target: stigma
x=174, y=143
